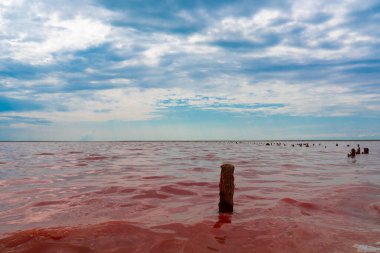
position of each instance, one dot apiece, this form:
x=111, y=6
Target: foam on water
x=366, y=248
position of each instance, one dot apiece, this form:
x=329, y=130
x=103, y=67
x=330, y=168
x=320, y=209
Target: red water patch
x=305, y=205
x=82, y=164
x=357, y=188
x=95, y=157
x=151, y=194
x=157, y=177
x=376, y=207
x=194, y=183
x=255, y=197
x=263, y=235
x=179, y=209
x=88, y=202
x=268, y=173
x=109, y=190
x=266, y=235
x=49, y=203
x=45, y=154
x=200, y=169
x=292, y=166
x=211, y=157
x=127, y=190
x=25, y=181
x=27, y=237
x=172, y=190
x=214, y=186
x=276, y=209
x=115, y=189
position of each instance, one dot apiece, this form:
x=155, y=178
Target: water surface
x=163, y=197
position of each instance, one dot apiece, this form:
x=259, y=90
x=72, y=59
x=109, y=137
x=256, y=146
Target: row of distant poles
x=357, y=152
x=352, y=154
x=227, y=185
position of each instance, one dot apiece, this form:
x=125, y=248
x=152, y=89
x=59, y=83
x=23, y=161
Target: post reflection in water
x=224, y=218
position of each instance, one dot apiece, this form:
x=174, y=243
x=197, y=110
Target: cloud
x=94, y=60
x=60, y=36
x=35, y=35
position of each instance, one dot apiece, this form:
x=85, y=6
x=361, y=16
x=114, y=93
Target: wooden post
x=226, y=188
x=358, y=150
x=352, y=154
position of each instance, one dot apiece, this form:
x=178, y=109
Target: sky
x=87, y=70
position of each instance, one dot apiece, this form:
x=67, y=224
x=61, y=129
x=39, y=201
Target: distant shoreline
x=210, y=141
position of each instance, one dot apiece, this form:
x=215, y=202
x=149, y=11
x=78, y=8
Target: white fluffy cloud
x=34, y=34
x=229, y=64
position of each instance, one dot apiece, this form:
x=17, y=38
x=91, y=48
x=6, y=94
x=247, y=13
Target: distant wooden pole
x=226, y=188
x=352, y=154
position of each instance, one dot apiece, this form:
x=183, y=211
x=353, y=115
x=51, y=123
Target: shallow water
x=163, y=197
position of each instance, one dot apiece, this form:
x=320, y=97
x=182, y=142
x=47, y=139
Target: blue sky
x=189, y=70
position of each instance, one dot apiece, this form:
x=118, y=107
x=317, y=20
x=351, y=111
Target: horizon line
x=264, y=140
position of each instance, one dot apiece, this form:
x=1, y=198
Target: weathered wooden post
x=226, y=188
x=358, y=150
x=352, y=154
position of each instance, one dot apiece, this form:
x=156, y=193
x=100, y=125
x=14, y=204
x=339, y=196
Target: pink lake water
x=163, y=197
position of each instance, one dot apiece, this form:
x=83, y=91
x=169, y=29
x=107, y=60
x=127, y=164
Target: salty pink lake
x=163, y=197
